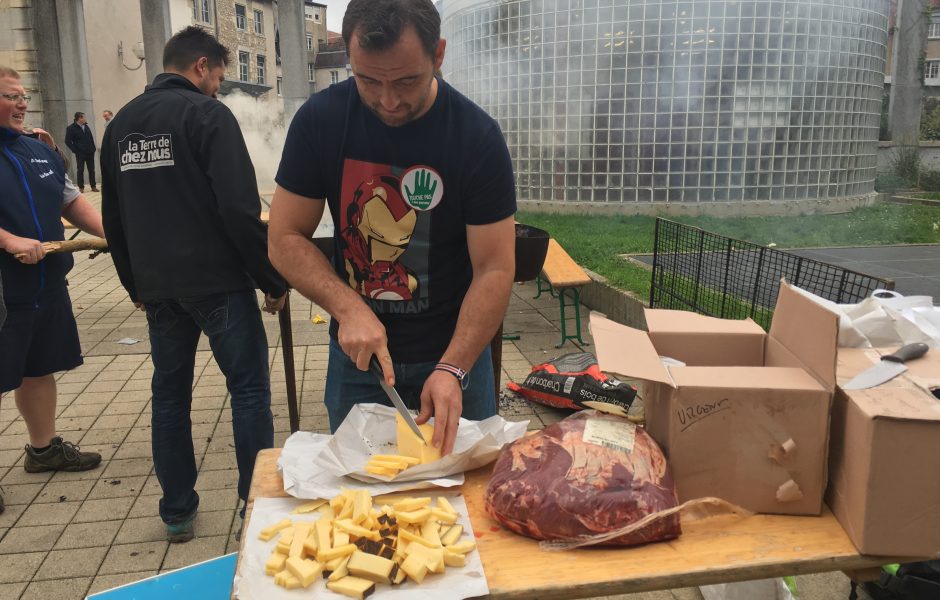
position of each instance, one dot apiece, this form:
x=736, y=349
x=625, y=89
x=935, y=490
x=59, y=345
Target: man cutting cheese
x=420, y=186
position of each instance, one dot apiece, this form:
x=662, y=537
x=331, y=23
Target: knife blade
x=889, y=367
x=376, y=369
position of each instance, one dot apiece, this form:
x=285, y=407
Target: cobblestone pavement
x=65, y=535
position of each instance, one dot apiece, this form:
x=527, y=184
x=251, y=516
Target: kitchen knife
x=376, y=369
x=888, y=367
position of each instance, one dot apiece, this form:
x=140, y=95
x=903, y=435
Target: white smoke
x=262, y=124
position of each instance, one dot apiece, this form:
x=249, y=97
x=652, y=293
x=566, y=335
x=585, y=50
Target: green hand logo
x=423, y=193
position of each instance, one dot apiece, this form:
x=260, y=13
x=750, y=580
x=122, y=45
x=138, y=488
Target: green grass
x=596, y=242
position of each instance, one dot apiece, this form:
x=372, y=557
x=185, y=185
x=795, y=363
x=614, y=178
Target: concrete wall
x=109, y=23
x=929, y=154
x=325, y=80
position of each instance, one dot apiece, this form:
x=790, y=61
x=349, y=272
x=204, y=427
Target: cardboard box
x=747, y=418
x=884, y=485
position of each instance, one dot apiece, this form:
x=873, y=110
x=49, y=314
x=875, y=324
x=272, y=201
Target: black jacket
x=80, y=141
x=180, y=202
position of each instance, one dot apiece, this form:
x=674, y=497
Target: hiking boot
x=179, y=533
x=60, y=456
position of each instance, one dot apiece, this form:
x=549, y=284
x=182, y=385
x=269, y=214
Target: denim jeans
x=232, y=322
x=346, y=385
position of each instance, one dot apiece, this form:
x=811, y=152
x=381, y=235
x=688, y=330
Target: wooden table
x=713, y=551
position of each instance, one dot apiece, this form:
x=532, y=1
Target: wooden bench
x=564, y=276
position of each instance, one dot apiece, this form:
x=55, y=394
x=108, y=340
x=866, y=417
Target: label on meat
x=616, y=435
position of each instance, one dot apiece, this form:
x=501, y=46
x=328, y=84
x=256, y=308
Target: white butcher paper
x=252, y=584
x=369, y=429
x=304, y=479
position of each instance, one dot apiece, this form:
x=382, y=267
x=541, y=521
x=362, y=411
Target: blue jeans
x=346, y=385
x=232, y=322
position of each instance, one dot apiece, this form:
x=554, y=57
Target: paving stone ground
x=65, y=535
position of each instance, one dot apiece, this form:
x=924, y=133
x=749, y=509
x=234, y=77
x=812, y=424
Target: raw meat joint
x=586, y=475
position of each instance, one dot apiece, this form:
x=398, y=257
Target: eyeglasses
x=17, y=98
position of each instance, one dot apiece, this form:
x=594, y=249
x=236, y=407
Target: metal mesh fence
x=711, y=274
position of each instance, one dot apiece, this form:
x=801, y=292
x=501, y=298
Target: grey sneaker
x=61, y=456
x=182, y=532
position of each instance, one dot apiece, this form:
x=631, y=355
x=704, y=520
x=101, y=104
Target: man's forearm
x=481, y=314
x=309, y=272
x=83, y=215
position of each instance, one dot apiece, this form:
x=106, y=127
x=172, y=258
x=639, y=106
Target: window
x=201, y=11
x=259, y=62
x=243, y=66
x=334, y=76
x=309, y=42
x=308, y=13
x=316, y=16
x=240, y=16
x=311, y=72
x=259, y=22
x=932, y=69
x=934, y=31
x=278, y=86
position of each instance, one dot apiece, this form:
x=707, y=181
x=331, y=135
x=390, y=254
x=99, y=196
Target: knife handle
x=376, y=368
x=907, y=352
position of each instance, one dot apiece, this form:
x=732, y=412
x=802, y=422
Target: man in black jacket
x=81, y=141
x=182, y=217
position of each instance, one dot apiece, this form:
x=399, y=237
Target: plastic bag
x=885, y=319
x=574, y=381
x=587, y=475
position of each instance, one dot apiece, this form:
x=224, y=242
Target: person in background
x=81, y=141
x=40, y=335
x=107, y=115
x=419, y=182
x=182, y=215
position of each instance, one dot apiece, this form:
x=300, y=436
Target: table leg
x=287, y=348
x=496, y=350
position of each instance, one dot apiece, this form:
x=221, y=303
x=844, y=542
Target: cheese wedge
x=410, y=445
x=267, y=534
x=340, y=571
x=450, y=537
x=369, y=566
x=462, y=547
x=308, y=507
x=353, y=587
x=306, y=571
x=408, y=504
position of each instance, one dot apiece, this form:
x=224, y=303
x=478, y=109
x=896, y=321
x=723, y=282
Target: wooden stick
x=71, y=246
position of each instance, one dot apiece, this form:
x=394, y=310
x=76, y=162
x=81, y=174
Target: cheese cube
x=415, y=567
x=353, y=587
x=275, y=564
x=410, y=445
x=369, y=566
x=304, y=570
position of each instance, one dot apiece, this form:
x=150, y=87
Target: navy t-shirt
x=401, y=198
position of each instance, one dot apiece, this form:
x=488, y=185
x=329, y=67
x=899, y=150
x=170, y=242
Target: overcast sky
x=335, y=9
